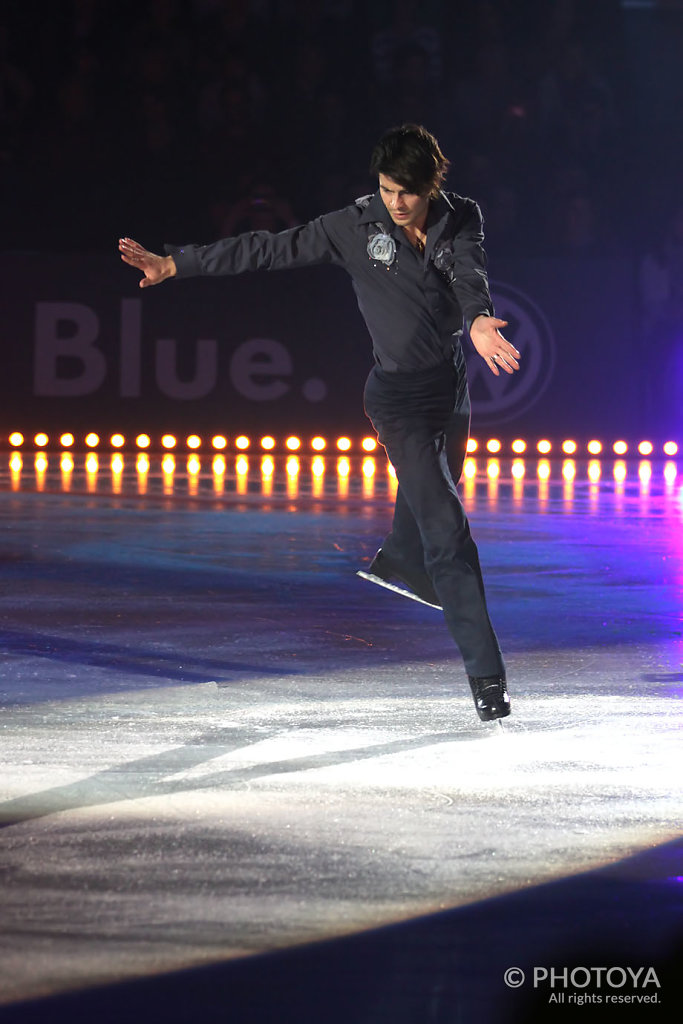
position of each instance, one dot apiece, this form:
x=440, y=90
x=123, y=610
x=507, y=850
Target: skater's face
x=407, y=209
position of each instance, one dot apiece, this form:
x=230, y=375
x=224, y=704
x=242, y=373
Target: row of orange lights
x=343, y=444
x=569, y=447
x=193, y=442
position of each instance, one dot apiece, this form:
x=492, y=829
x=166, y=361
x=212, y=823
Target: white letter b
x=77, y=346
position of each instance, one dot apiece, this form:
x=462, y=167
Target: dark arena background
x=240, y=784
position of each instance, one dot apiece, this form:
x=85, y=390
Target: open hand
x=155, y=268
x=492, y=346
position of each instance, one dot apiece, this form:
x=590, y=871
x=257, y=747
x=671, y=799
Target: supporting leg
x=425, y=439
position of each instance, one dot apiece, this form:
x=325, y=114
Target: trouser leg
x=451, y=557
x=404, y=542
x=429, y=502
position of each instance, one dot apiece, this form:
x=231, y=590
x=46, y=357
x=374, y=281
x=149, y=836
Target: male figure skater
x=415, y=257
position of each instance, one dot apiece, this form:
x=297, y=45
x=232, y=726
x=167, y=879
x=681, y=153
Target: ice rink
x=240, y=784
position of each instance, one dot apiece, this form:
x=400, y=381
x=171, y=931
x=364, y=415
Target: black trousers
x=422, y=418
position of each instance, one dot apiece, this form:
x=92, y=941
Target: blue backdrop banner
x=87, y=349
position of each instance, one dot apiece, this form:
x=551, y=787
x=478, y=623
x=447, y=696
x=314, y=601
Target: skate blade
x=397, y=590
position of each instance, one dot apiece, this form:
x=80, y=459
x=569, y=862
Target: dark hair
x=410, y=156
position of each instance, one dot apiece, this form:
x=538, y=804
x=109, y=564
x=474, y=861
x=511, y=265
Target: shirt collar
x=376, y=211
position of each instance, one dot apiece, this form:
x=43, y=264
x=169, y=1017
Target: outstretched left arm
x=469, y=281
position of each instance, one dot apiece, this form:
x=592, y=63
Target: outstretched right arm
x=155, y=268
x=309, y=244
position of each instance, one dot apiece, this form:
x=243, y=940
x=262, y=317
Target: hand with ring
x=494, y=349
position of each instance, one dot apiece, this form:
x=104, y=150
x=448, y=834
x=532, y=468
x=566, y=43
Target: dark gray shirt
x=413, y=303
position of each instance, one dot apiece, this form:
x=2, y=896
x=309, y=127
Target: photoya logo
x=502, y=398
x=580, y=985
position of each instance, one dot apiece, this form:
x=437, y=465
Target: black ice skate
x=388, y=574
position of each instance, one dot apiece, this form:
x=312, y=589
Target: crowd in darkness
x=186, y=120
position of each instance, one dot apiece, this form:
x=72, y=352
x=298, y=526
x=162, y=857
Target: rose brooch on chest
x=382, y=248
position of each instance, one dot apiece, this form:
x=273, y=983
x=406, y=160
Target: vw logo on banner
x=503, y=398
